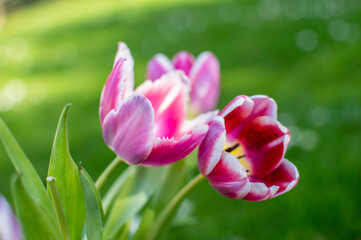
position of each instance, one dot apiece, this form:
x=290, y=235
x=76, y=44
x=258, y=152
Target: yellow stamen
x=237, y=150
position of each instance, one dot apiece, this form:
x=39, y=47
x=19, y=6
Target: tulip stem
x=107, y=173
x=168, y=211
x=57, y=206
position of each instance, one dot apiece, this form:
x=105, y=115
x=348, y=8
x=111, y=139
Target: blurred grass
x=69, y=50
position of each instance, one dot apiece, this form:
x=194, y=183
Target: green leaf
x=148, y=219
x=148, y=179
x=23, y=167
x=135, y=181
x=94, y=210
x=37, y=221
x=63, y=168
x=171, y=184
x=124, y=234
x=122, y=184
x=123, y=210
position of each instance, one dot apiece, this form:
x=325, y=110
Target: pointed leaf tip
x=63, y=168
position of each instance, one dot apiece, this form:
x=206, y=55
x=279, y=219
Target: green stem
x=167, y=213
x=107, y=173
x=57, y=206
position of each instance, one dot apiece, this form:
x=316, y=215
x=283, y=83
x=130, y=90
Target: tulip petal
x=235, y=114
x=236, y=190
x=260, y=192
x=200, y=119
x=124, y=52
x=183, y=61
x=158, y=66
x=129, y=131
x=211, y=148
x=166, y=151
x=204, y=77
x=113, y=91
x=168, y=96
x=265, y=141
x=264, y=106
x=286, y=177
x=9, y=226
x=228, y=169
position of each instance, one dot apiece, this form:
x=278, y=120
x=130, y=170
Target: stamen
x=247, y=170
x=230, y=149
x=241, y=156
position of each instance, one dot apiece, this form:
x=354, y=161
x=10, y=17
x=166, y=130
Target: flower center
x=237, y=150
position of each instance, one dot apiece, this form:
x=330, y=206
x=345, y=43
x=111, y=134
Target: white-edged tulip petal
x=129, y=130
x=166, y=151
x=260, y=192
x=236, y=190
x=168, y=96
x=113, y=91
x=235, y=115
x=264, y=106
x=286, y=177
x=228, y=169
x=158, y=66
x=183, y=61
x=124, y=52
x=200, y=119
x=264, y=143
x=205, y=77
x=211, y=148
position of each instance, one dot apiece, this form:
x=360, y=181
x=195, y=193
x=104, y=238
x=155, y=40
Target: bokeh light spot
x=19, y=48
x=229, y=11
x=338, y=29
x=307, y=40
x=11, y=94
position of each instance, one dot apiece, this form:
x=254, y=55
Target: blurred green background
x=306, y=54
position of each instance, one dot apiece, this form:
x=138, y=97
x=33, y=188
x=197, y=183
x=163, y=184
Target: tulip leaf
x=94, y=210
x=146, y=223
x=64, y=169
x=148, y=179
x=124, y=234
x=37, y=221
x=171, y=184
x=123, y=210
x=122, y=184
x=24, y=167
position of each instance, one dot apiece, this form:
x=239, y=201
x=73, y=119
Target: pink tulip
x=203, y=72
x=243, y=152
x=9, y=227
x=147, y=126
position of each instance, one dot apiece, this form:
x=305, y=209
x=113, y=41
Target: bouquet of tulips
x=154, y=129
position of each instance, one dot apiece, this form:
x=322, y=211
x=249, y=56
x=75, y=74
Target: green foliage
x=94, y=210
x=63, y=168
x=71, y=51
x=129, y=194
x=123, y=209
x=23, y=167
x=37, y=222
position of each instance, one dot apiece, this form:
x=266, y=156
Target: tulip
x=243, y=152
x=9, y=227
x=147, y=126
x=203, y=72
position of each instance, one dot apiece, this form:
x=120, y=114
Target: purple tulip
x=243, y=152
x=203, y=72
x=9, y=227
x=148, y=126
